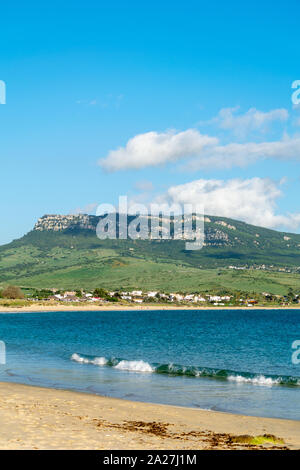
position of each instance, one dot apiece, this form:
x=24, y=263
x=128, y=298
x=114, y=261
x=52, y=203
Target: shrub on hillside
x=12, y=292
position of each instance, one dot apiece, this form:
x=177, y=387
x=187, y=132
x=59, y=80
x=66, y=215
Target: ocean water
x=230, y=360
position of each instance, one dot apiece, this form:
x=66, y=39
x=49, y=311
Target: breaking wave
x=188, y=371
x=137, y=366
x=97, y=361
x=258, y=380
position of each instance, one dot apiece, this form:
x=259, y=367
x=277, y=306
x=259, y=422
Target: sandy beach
x=91, y=307
x=40, y=418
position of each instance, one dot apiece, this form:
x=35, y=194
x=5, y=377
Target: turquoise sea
x=236, y=361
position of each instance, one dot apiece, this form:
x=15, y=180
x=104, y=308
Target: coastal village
x=101, y=296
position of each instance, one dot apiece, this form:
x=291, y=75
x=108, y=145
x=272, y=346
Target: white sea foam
x=77, y=358
x=98, y=361
x=142, y=366
x=259, y=380
x=136, y=366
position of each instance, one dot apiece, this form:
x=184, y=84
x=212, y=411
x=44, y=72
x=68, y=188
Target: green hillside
x=65, y=253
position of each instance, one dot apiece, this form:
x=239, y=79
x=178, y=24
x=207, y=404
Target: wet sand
x=40, y=418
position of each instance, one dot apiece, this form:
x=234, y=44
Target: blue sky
x=84, y=78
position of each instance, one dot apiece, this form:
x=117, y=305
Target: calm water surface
x=234, y=361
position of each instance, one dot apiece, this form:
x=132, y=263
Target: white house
x=151, y=294
x=136, y=292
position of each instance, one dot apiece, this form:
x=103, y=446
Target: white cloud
x=251, y=200
x=153, y=148
x=236, y=154
x=252, y=120
x=200, y=151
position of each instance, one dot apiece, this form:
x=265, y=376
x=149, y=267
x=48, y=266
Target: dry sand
x=63, y=307
x=40, y=418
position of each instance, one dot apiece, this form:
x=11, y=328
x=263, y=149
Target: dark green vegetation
x=75, y=258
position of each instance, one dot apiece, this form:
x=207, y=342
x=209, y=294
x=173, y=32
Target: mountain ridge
x=58, y=222
x=64, y=251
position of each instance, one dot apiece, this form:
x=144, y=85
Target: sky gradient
x=205, y=87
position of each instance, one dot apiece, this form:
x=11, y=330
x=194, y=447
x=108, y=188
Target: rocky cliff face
x=57, y=223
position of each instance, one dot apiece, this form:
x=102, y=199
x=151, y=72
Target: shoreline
x=98, y=308
x=44, y=418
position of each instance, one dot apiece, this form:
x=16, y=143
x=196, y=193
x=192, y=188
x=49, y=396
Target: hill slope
x=64, y=252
